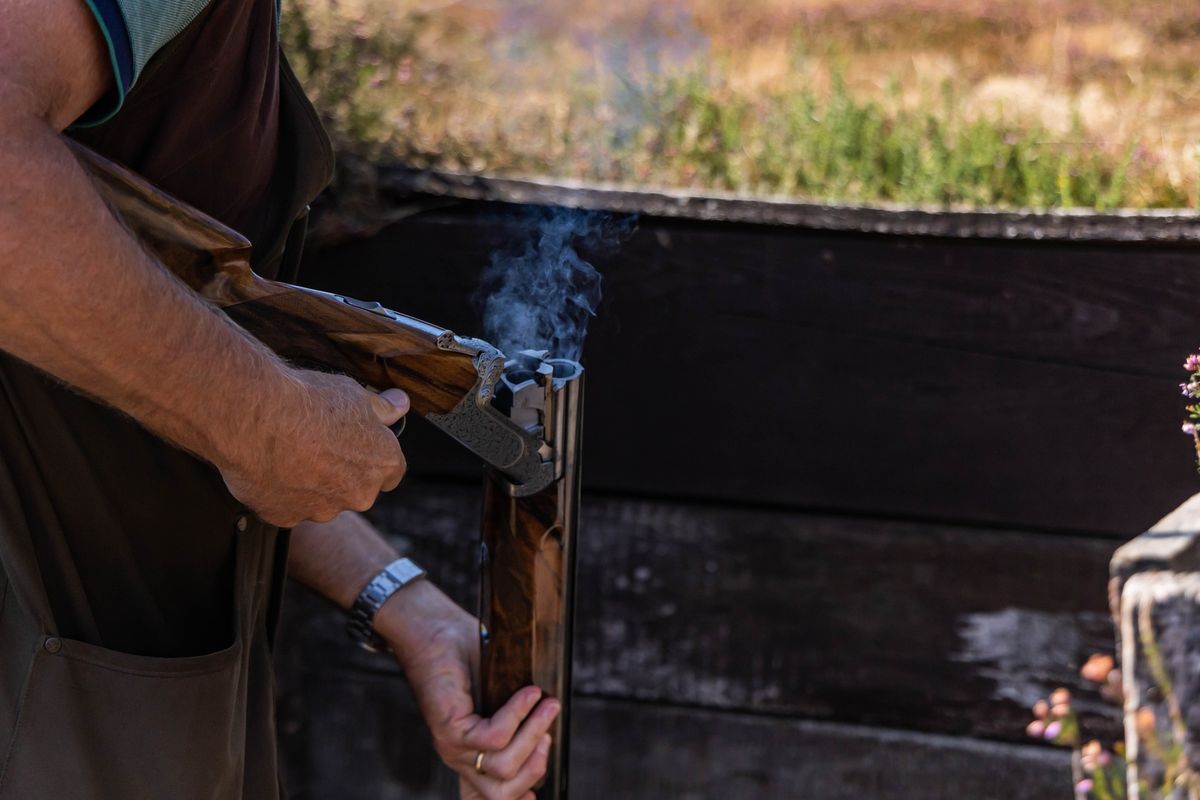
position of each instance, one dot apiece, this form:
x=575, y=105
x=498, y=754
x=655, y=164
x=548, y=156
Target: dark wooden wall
x=850, y=501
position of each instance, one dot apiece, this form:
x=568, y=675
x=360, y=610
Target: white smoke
x=541, y=294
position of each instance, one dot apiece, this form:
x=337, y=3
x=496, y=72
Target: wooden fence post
x=1155, y=593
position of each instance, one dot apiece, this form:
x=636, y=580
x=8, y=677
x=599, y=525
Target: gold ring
x=479, y=763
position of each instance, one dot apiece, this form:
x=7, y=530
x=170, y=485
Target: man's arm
x=80, y=299
x=437, y=644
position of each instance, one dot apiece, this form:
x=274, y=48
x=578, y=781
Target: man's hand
x=325, y=450
x=437, y=644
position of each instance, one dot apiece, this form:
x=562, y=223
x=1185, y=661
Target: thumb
x=390, y=405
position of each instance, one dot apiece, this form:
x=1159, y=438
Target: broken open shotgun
x=520, y=415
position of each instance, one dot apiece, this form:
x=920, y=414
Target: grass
x=982, y=103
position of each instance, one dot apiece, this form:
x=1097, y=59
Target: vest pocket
x=96, y=724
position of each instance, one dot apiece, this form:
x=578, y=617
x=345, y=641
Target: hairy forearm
x=80, y=299
x=338, y=558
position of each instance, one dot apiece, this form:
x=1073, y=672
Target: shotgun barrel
x=528, y=555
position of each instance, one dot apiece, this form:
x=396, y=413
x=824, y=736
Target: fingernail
x=552, y=708
x=544, y=744
x=396, y=397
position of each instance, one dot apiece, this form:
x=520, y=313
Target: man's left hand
x=437, y=644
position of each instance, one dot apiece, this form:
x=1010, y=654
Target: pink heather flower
x=1105, y=758
x=1084, y=786
x=1036, y=728
x=1193, y=363
x=1052, y=730
x=1186, y=389
x=1189, y=428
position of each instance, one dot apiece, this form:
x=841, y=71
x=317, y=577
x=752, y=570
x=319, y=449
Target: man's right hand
x=323, y=449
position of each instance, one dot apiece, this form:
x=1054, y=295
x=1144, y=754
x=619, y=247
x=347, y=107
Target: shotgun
x=521, y=415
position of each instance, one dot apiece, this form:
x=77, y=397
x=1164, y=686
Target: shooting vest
x=137, y=596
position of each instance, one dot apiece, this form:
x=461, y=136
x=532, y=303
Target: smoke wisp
x=541, y=293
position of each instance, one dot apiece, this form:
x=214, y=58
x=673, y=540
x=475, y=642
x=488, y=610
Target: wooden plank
x=1003, y=383
x=635, y=752
x=1126, y=225
x=867, y=621
x=1108, y=307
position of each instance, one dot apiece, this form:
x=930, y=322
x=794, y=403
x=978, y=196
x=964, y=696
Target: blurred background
x=1020, y=103
x=886, y=366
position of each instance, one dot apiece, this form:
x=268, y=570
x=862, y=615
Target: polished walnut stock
x=531, y=485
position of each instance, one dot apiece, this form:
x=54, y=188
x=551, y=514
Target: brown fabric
x=134, y=612
x=202, y=121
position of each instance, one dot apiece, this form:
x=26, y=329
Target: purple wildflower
x=1084, y=786
x=1189, y=428
x=1193, y=363
x=1053, y=730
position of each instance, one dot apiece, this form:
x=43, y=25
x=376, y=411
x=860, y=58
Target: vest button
x=52, y=644
x=242, y=523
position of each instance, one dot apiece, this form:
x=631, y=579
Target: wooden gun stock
x=532, y=482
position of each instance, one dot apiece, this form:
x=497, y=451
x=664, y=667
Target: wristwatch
x=392, y=578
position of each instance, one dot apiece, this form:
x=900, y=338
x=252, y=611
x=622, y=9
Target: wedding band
x=479, y=763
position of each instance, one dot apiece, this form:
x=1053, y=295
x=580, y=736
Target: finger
x=393, y=478
x=506, y=763
x=490, y=735
x=531, y=771
x=390, y=405
x=467, y=790
x=522, y=782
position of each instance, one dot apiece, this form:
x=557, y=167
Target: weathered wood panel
x=1070, y=224
x=640, y=752
x=906, y=625
x=985, y=382
x=646, y=753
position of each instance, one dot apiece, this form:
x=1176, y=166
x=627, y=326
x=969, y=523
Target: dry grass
x=1058, y=102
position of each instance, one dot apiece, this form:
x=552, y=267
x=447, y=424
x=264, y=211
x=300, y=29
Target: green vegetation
x=837, y=147
x=464, y=89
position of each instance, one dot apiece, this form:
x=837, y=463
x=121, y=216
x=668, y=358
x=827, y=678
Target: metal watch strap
x=390, y=579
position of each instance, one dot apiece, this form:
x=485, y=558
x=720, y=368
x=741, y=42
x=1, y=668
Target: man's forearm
x=80, y=299
x=340, y=557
